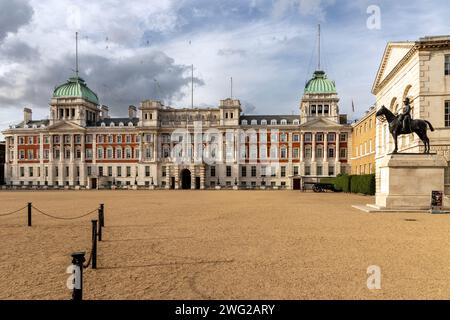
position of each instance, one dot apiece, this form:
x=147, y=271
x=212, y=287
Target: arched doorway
x=185, y=179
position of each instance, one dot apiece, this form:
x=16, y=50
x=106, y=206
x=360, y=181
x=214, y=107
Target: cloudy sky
x=135, y=50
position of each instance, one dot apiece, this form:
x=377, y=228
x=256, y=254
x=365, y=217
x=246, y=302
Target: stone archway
x=186, y=179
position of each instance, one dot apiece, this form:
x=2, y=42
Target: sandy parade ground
x=222, y=245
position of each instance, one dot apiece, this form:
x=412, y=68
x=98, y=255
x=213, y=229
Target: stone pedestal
x=405, y=180
x=235, y=188
x=218, y=187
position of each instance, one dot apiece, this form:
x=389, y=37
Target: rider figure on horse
x=405, y=117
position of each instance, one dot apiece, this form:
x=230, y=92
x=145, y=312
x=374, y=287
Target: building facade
x=419, y=71
x=363, y=143
x=157, y=146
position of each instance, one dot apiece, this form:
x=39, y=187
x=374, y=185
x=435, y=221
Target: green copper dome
x=75, y=87
x=320, y=84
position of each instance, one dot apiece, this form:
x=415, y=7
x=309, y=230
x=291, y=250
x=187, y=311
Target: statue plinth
x=406, y=180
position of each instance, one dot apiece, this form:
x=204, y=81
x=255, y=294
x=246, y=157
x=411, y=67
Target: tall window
x=319, y=152
x=283, y=152
x=308, y=152
x=447, y=113
x=228, y=171
x=447, y=65
x=319, y=170
x=243, y=171
x=213, y=171
x=283, y=171
x=253, y=171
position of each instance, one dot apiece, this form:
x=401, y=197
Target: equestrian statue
x=403, y=124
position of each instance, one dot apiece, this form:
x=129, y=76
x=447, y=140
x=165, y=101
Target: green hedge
x=342, y=182
x=364, y=184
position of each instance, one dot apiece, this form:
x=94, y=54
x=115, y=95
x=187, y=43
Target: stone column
x=337, y=146
x=302, y=146
x=313, y=147
x=7, y=165
x=61, y=160
x=337, y=168
x=83, y=160
x=177, y=177
x=168, y=177
x=202, y=177
x=193, y=176
x=94, y=148
x=325, y=146
x=41, y=158
x=51, y=164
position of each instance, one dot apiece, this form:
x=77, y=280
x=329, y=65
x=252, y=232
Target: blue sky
x=131, y=51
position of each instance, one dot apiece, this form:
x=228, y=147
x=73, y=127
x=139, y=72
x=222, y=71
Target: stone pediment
x=394, y=53
x=321, y=123
x=65, y=126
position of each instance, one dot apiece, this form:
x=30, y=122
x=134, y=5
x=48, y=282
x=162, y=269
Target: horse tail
x=429, y=124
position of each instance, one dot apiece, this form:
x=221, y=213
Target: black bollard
x=94, y=244
x=78, y=260
x=29, y=214
x=100, y=225
x=102, y=210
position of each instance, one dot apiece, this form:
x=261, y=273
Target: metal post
x=100, y=224
x=78, y=260
x=102, y=209
x=94, y=244
x=29, y=214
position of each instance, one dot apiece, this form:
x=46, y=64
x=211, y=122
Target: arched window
x=296, y=122
x=273, y=152
x=119, y=153
x=109, y=153
x=100, y=153
x=308, y=153
x=273, y=122
x=253, y=152
x=264, y=122
x=319, y=152
x=128, y=153
x=254, y=122
x=284, y=122
x=283, y=152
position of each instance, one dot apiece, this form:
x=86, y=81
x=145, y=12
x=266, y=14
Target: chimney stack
x=104, y=109
x=27, y=115
x=132, y=112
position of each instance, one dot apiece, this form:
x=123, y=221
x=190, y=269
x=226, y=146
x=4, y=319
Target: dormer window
x=264, y=122
x=120, y=124
x=296, y=122
x=112, y=124
x=284, y=122
x=273, y=122
x=254, y=122
x=244, y=122
x=103, y=124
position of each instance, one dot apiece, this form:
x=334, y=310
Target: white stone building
x=156, y=146
x=419, y=70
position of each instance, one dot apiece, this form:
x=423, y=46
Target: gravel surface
x=222, y=245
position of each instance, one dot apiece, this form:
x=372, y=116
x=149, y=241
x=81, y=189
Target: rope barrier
x=64, y=218
x=10, y=213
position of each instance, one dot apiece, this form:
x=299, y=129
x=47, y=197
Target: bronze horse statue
x=396, y=129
